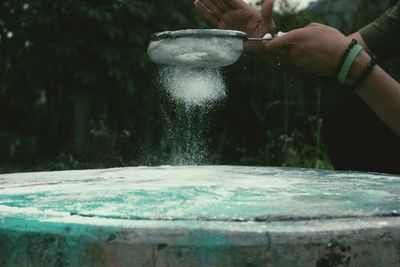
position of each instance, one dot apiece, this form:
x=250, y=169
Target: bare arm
x=360, y=40
x=380, y=91
x=316, y=49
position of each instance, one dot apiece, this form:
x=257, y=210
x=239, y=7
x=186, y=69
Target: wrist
x=357, y=67
x=347, y=60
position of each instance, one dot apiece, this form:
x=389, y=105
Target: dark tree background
x=77, y=90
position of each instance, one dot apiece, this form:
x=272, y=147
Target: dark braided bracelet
x=344, y=56
x=365, y=73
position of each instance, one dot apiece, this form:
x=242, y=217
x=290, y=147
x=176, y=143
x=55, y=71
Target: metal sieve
x=199, y=47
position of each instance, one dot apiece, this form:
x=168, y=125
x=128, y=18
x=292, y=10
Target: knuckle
x=294, y=53
x=313, y=24
x=299, y=61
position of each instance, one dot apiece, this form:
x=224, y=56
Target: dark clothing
x=383, y=35
x=355, y=137
x=358, y=140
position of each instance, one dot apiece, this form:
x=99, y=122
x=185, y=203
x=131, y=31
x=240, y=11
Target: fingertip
x=313, y=24
x=272, y=2
x=267, y=8
x=200, y=7
x=205, y=12
x=197, y=4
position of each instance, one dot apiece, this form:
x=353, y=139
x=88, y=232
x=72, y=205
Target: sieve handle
x=259, y=39
x=267, y=37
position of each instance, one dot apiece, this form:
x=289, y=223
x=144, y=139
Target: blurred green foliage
x=77, y=90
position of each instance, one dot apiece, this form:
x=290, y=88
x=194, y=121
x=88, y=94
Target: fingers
x=206, y=12
x=221, y=4
x=215, y=10
x=266, y=9
x=278, y=44
x=235, y=4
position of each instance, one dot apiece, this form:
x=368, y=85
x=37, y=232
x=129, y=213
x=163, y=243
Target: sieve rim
x=198, y=33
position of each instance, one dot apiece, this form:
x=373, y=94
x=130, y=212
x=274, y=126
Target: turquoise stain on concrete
x=214, y=193
x=209, y=215
x=207, y=243
x=30, y=243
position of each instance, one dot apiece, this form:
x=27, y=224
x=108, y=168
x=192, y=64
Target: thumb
x=275, y=46
x=267, y=7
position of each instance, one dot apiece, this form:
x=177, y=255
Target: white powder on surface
x=193, y=86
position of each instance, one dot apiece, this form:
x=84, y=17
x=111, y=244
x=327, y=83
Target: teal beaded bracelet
x=344, y=55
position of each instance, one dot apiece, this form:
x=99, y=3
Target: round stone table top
x=204, y=206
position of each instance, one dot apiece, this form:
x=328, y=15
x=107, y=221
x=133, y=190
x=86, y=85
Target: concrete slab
x=199, y=216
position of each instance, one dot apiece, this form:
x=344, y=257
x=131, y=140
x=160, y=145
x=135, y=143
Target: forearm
x=380, y=91
x=357, y=36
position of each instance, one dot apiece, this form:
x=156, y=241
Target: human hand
x=315, y=49
x=238, y=15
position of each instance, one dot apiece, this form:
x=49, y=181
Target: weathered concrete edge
x=240, y=233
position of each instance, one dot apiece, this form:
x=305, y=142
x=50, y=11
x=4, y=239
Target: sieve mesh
x=196, y=50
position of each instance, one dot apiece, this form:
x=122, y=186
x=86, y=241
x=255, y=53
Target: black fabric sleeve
x=383, y=35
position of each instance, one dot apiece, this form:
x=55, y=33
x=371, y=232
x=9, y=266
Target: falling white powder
x=193, y=86
x=190, y=75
